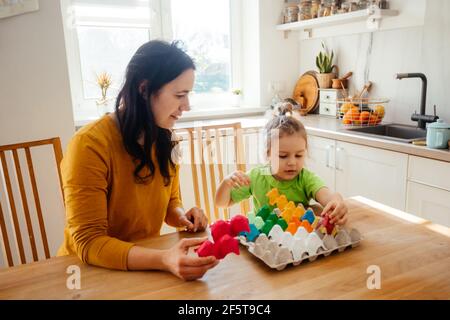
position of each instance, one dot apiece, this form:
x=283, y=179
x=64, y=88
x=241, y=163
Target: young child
x=286, y=146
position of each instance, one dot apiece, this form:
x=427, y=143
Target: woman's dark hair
x=154, y=64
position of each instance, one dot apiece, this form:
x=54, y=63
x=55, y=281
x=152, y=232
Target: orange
x=354, y=114
x=346, y=106
x=364, y=117
x=373, y=119
x=347, y=119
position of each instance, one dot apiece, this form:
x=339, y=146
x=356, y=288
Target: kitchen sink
x=396, y=132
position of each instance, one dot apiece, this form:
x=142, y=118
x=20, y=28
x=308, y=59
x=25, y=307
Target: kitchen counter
x=332, y=128
x=411, y=254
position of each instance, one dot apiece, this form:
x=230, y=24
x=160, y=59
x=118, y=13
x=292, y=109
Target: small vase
x=104, y=106
x=236, y=100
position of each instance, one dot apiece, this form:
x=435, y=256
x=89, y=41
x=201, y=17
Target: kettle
x=438, y=134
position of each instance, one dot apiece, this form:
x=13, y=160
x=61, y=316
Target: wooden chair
x=9, y=182
x=209, y=160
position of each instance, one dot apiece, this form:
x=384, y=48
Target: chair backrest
x=213, y=152
x=14, y=177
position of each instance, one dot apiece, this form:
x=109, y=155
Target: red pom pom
x=226, y=245
x=326, y=223
x=219, y=229
x=239, y=224
x=206, y=249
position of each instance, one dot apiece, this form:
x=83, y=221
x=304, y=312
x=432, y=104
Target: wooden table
x=413, y=256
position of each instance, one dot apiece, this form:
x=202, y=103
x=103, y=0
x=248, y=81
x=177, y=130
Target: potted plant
x=324, y=62
x=104, y=82
x=237, y=97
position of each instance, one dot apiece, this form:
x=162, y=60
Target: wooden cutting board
x=306, y=92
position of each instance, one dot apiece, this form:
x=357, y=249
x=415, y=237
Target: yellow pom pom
x=273, y=196
x=282, y=202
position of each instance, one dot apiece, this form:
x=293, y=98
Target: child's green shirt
x=302, y=189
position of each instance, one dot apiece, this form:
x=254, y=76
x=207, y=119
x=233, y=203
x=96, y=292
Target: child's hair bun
x=285, y=108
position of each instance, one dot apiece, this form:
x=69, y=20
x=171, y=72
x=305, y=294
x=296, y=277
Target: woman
x=120, y=181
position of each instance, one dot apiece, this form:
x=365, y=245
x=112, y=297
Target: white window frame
x=160, y=27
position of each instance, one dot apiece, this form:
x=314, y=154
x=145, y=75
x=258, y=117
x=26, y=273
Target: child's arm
x=223, y=194
x=334, y=204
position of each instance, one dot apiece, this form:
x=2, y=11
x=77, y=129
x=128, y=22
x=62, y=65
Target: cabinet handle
x=338, y=167
x=328, y=147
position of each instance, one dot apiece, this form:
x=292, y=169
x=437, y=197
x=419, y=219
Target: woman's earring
x=177, y=153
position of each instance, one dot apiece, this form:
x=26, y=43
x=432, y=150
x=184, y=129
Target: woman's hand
x=337, y=209
x=237, y=179
x=177, y=261
x=194, y=220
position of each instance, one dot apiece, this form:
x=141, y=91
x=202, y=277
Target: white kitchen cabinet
x=431, y=172
x=355, y=170
x=428, y=194
x=429, y=203
x=373, y=173
x=321, y=158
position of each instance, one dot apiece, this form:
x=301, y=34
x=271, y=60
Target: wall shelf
x=372, y=16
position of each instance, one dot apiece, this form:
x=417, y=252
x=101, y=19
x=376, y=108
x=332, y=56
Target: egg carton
x=280, y=248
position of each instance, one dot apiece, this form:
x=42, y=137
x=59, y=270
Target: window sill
x=192, y=117
x=211, y=114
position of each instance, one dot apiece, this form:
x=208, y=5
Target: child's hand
x=337, y=209
x=237, y=179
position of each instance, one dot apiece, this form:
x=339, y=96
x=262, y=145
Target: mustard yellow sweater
x=105, y=209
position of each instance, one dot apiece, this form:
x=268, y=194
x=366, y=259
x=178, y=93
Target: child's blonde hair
x=285, y=125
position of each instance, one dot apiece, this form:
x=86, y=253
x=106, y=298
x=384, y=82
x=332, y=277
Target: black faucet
x=421, y=118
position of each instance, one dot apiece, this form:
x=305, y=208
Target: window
x=104, y=34
x=106, y=49
x=207, y=37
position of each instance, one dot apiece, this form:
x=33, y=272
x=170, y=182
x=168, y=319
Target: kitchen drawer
x=330, y=95
x=429, y=203
x=328, y=109
x=430, y=172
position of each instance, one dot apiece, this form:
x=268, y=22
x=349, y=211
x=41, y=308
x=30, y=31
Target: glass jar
x=304, y=10
x=290, y=13
x=321, y=11
x=353, y=6
x=333, y=8
x=345, y=7
x=327, y=10
x=363, y=4
x=384, y=4
x=315, y=5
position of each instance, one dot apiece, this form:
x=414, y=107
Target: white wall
x=278, y=56
x=35, y=98
x=378, y=56
x=267, y=57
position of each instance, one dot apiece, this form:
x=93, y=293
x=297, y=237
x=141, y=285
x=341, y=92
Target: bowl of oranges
x=361, y=112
